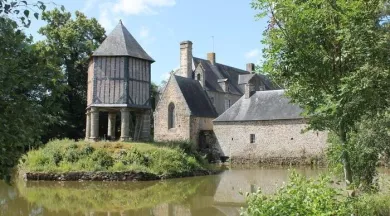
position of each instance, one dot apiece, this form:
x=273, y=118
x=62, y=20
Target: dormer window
x=198, y=77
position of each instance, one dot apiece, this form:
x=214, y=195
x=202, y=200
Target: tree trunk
x=345, y=157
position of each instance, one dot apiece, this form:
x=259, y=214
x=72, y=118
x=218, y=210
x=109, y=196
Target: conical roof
x=121, y=43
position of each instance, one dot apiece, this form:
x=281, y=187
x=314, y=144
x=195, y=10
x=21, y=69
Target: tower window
x=171, y=116
x=252, y=138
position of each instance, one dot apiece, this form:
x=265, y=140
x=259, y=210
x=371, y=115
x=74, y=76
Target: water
x=217, y=195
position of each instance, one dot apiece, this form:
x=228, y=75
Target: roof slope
x=121, y=43
x=263, y=105
x=196, y=98
x=219, y=71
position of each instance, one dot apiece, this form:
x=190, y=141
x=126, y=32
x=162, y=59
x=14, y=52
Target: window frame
x=252, y=138
x=171, y=116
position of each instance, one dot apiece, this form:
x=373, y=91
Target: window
x=198, y=77
x=227, y=103
x=171, y=116
x=253, y=138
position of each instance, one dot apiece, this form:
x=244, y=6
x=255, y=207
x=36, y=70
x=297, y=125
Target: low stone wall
x=108, y=176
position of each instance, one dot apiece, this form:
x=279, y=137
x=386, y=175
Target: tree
x=27, y=85
x=21, y=10
x=333, y=58
x=70, y=43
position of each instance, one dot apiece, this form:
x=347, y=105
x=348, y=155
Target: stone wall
x=219, y=100
x=181, y=131
x=279, y=141
x=197, y=124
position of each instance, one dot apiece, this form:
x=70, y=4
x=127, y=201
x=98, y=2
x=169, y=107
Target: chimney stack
x=250, y=67
x=186, y=59
x=211, y=57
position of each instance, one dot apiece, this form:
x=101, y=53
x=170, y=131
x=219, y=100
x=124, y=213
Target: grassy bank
x=61, y=156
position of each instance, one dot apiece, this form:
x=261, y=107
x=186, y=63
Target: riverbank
x=68, y=160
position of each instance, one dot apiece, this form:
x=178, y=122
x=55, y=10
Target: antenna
x=213, y=42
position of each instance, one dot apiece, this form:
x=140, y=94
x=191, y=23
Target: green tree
x=70, y=43
x=333, y=58
x=27, y=85
x=20, y=10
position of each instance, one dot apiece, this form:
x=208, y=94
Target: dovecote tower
x=119, y=83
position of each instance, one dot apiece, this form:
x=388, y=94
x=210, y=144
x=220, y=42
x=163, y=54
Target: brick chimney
x=250, y=67
x=185, y=59
x=211, y=57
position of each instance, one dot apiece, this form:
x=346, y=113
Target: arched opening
x=171, y=116
x=198, y=77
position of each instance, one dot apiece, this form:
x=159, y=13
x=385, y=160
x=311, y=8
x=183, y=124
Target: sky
x=160, y=25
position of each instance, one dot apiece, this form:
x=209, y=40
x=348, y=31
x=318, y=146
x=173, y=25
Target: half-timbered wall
x=121, y=80
x=90, y=83
x=139, y=82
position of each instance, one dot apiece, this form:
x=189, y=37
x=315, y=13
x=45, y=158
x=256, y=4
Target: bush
x=102, y=158
x=300, y=197
x=67, y=155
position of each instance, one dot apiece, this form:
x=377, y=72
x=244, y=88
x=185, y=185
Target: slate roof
x=121, y=43
x=263, y=105
x=217, y=72
x=196, y=98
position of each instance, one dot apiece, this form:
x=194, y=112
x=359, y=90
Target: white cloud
x=144, y=32
x=89, y=4
x=255, y=53
x=105, y=18
x=137, y=7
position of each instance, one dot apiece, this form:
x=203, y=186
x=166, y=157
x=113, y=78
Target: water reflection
x=211, y=195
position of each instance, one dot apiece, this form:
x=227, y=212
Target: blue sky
x=160, y=25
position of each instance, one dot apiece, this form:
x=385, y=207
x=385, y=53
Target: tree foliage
x=333, y=58
x=69, y=43
x=27, y=86
x=21, y=10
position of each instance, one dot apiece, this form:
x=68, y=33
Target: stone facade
x=186, y=127
x=274, y=141
x=181, y=131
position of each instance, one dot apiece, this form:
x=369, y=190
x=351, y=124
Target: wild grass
x=59, y=156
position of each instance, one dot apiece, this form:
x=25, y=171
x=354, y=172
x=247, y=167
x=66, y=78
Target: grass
x=59, y=156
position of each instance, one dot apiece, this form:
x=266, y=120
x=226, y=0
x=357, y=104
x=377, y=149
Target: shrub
x=102, y=158
x=300, y=197
x=67, y=155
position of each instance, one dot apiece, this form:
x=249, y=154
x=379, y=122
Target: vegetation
x=28, y=84
x=315, y=197
x=42, y=82
x=333, y=59
x=69, y=43
x=60, y=156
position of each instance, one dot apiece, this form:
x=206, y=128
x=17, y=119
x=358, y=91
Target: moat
x=216, y=195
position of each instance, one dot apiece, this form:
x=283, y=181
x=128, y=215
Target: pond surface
x=217, y=195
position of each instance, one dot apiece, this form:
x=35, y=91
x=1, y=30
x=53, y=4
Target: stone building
x=218, y=80
x=183, y=110
x=198, y=92
x=119, y=84
x=263, y=126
